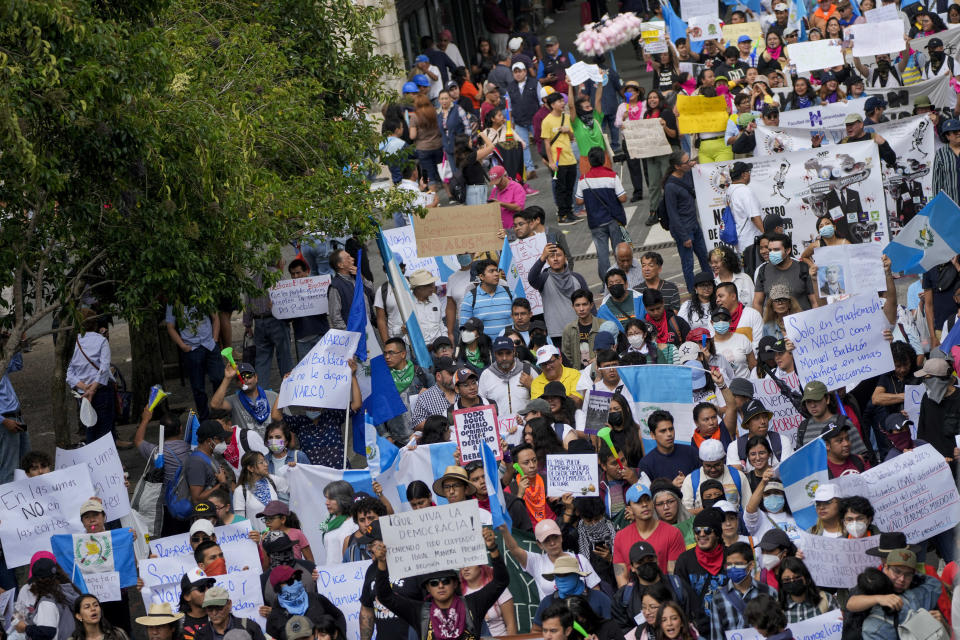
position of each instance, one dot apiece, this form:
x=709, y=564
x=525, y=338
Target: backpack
x=695, y=480
x=177, y=494
x=662, y=214
x=775, y=443
x=728, y=233
x=473, y=301
x=66, y=623
x=458, y=185
x=921, y=625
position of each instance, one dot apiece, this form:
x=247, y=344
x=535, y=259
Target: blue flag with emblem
x=931, y=237
x=801, y=473
x=93, y=558
x=509, y=267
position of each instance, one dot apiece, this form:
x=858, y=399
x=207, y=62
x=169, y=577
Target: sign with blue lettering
x=828, y=626
x=842, y=343
x=322, y=378
x=342, y=584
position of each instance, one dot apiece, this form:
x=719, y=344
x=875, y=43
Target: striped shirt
x=492, y=310
x=600, y=189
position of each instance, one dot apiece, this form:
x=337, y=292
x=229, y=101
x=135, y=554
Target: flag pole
x=346, y=436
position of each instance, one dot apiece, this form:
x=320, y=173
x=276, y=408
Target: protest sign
x=842, y=343
x=699, y=114
x=827, y=115
x=815, y=55
x=580, y=72
x=403, y=242
x=732, y=32
x=597, y=407
x=474, y=426
x=246, y=596
x=690, y=9
x=950, y=39
x=836, y=562
x=239, y=551
x=433, y=539
x=509, y=429
x=900, y=102
x=322, y=378
x=705, y=27
x=786, y=419
x=451, y=230
x=656, y=45
x=875, y=38
x=34, y=509
x=914, y=493
x=342, y=585
x=908, y=186
x=299, y=297
x=106, y=473
x=578, y=474
x=849, y=268
x=525, y=253
x=884, y=13
x=827, y=626
x=645, y=138
x=98, y=563
x=801, y=186
x=912, y=395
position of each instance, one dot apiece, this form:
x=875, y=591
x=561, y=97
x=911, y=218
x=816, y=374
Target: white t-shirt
x=436, y=86
x=394, y=322
x=250, y=507
x=745, y=287
x=735, y=350
x=538, y=564
x=510, y=396
x=759, y=523
x=702, y=322
x=457, y=285
x=745, y=206
x=751, y=318
x=494, y=616
x=430, y=317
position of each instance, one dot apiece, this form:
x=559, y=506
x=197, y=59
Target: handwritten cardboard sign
x=645, y=138
x=106, y=473
x=433, y=539
x=342, y=585
x=299, y=297
x=836, y=562
x=842, y=343
x=246, y=596
x=473, y=427
x=786, y=419
x=578, y=474
x=451, y=230
x=322, y=378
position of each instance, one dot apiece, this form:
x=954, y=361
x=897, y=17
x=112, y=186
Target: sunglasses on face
x=199, y=537
x=702, y=531
x=247, y=375
x=436, y=582
x=290, y=582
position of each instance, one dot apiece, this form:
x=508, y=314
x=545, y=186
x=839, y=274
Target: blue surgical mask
x=827, y=231
x=721, y=327
x=568, y=584
x=313, y=415
x=737, y=574
x=773, y=503
x=776, y=257
x=464, y=259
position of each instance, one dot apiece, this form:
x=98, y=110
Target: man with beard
x=507, y=383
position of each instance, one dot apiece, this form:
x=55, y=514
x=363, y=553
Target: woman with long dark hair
x=91, y=625
x=48, y=588
x=587, y=530
x=624, y=431
x=484, y=60
x=469, y=161
x=799, y=596
x=642, y=341
x=698, y=308
x=673, y=624
x=658, y=167
x=256, y=487
x=630, y=110
x=544, y=439
x=592, y=623
x=435, y=429
x=828, y=235
x=801, y=97
x=474, y=348
x=419, y=495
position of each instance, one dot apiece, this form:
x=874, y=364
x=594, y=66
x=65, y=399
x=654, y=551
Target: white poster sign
x=702, y=28
x=525, y=253
x=580, y=72
x=912, y=395
x=299, y=297
x=433, y=539
x=786, y=419
x=472, y=428
x=816, y=55
x=836, y=562
x=106, y=473
x=342, y=584
x=826, y=115
x=34, y=509
x=874, y=38
x=828, y=626
x=941, y=94
x=403, y=242
x=914, y=493
x=645, y=138
x=578, y=474
x=246, y=596
x=842, y=343
x=692, y=8
x=240, y=552
x=800, y=187
x=849, y=268
x=322, y=378
x=884, y=13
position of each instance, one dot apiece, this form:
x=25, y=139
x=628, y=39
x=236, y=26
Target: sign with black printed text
x=578, y=474
x=433, y=539
x=474, y=426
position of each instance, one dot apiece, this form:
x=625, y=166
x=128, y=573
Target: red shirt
x=666, y=540
x=848, y=466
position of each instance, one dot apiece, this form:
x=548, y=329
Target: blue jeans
x=269, y=335
x=203, y=363
x=428, y=161
x=316, y=252
x=523, y=133
x=303, y=346
x=476, y=194
x=606, y=234
x=686, y=256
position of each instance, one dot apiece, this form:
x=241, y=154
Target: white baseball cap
x=725, y=505
x=515, y=43
x=825, y=492
x=201, y=525
x=546, y=352
x=712, y=450
x=687, y=351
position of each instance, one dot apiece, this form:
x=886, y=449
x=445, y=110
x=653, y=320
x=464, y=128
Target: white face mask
x=468, y=336
x=636, y=341
x=769, y=561
x=220, y=448
x=856, y=529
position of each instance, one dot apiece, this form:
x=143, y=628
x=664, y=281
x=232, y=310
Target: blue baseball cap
x=421, y=58
x=421, y=80
x=744, y=38
x=503, y=343
x=410, y=87
x=636, y=492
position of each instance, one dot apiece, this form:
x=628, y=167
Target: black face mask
x=794, y=587
x=709, y=502
x=883, y=65
x=937, y=56
x=615, y=419
x=617, y=290
x=648, y=571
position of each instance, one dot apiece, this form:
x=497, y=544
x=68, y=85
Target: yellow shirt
x=569, y=378
x=548, y=129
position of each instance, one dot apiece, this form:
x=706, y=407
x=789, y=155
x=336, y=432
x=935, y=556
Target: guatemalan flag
x=639, y=311
x=676, y=27
x=932, y=237
x=425, y=463
x=88, y=558
x=801, y=474
x=381, y=401
x=498, y=502
x=509, y=267
x=661, y=386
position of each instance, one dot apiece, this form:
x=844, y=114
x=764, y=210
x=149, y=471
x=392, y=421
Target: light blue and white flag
x=932, y=237
x=664, y=387
x=405, y=304
x=426, y=463
x=801, y=473
x=498, y=502
x=509, y=267
x=97, y=562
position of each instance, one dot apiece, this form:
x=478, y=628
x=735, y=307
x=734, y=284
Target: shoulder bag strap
x=84, y=354
x=563, y=118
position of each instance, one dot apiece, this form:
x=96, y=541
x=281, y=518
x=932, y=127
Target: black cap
x=768, y=110
x=739, y=168
x=709, y=518
x=754, y=408
x=442, y=341
x=774, y=538
x=720, y=314
x=444, y=363
x=503, y=343
x=372, y=533
x=203, y=509
x=276, y=543
x=702, y=278
x=641, y=550
x=538, y=324
x=834, y=431
x=472, y=324
x=934, y=43
x=771, y=221
x=765, y=349
x=896, y=422
x=43, y=568
x=212, y=429
x=554, y=389
x=887, y=542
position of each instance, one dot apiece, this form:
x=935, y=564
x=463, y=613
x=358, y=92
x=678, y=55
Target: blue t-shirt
x=598, y=600
x=660, y=465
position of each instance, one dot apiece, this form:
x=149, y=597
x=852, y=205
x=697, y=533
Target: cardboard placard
x=645, y=138
x=464, y=229
x=299, y=297
x=699, y=114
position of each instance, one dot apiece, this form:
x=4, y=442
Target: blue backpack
x=728, y=234
x=177, y=494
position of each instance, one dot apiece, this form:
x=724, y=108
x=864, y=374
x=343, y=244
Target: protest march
x=735, y=416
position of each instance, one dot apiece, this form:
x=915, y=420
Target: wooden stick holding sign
x=474, y=426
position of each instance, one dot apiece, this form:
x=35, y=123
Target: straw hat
x=159, y=614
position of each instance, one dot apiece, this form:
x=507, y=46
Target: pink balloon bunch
x=597, y=38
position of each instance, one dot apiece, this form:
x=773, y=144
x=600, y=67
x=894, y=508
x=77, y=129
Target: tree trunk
x=147, y=365
x=64, y=408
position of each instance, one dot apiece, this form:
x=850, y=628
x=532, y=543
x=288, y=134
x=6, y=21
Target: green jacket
x=571, y=341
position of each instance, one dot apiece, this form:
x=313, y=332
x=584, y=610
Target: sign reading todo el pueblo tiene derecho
x=433, y=539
